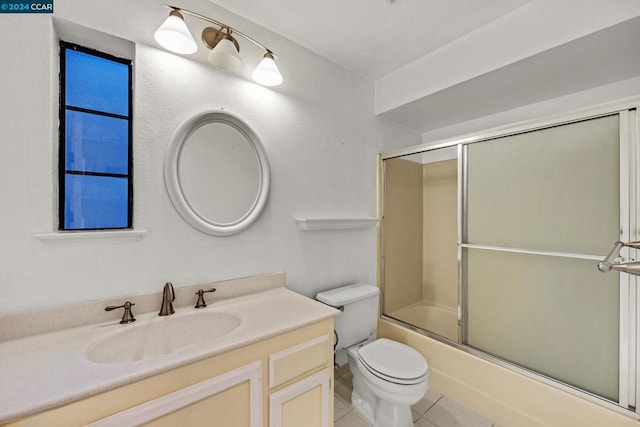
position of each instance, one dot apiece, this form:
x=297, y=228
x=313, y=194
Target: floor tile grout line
x=341, y=399
x=431, y=407
x=347, y=404
x=341, y=417
x=428, y=420
x=423, y=413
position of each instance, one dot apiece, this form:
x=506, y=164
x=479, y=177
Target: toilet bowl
x=388, y=377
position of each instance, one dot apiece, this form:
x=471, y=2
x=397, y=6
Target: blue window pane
x=96, y=83
x=95, y=202
x=96, y=143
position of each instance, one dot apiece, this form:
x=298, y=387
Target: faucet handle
x=200, y=303
x=127, y=317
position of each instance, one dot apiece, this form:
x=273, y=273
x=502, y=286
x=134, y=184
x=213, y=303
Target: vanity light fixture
x=222, y=42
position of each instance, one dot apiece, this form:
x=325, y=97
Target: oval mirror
x=217, y=173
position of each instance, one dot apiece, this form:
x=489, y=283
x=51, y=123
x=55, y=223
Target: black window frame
x=62, y=165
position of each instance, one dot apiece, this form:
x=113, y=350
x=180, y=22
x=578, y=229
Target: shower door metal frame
x=626, y=383
x=629, y=362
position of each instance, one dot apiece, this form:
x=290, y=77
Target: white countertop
x=49, y=370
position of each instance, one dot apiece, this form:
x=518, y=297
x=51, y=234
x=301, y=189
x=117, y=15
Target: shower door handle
x=607, y=264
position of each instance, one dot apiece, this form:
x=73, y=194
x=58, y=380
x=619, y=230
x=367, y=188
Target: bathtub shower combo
x=491, y=243
x=428, y=316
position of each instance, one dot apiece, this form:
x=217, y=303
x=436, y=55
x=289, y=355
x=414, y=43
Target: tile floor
x=434, y=410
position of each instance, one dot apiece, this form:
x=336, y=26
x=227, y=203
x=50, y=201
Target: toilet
x=388, y=377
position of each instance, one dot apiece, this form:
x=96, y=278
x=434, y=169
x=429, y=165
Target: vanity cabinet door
x=231, y=399
x=303, y=403
x=299, y=360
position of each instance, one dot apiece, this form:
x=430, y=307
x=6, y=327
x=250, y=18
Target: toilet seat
x=393, y=362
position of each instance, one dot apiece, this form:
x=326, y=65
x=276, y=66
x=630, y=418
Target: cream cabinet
x=286, y=381
x=234, y=397
x=303, y=403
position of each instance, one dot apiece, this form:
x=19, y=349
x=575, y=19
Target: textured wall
x=318, y=129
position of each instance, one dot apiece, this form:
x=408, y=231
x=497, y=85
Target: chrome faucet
x=168, y=296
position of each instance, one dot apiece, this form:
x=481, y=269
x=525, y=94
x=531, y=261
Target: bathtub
x=423, y=314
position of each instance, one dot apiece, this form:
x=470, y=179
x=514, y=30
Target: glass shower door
x=539, y=210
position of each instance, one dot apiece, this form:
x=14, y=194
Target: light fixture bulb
x=174, y=35
x=267, y=73
x=225, y=55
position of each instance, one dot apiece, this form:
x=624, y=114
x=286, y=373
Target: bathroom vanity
x=274, y=368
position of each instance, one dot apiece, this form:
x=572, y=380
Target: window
x=95, y=182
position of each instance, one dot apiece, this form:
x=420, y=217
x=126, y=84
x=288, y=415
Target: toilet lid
x=393, y=361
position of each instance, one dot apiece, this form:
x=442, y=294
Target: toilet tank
x=359, y=319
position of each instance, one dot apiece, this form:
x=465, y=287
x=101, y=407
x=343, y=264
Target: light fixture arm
x=222, y=26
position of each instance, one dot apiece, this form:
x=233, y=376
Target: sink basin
x=162, y=335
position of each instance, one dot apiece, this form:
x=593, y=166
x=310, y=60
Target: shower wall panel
x=440, y=227
x=402, y=234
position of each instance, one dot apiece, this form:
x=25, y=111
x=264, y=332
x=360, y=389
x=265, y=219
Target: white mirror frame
x=174, y=188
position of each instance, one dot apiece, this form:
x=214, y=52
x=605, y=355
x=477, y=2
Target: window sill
x=71, y=235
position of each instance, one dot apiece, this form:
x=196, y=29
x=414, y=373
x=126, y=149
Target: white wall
x=559, y=106
x=318, y=129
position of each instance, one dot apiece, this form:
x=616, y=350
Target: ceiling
x=372, y=37
x=375, y=38
x=581, y=64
